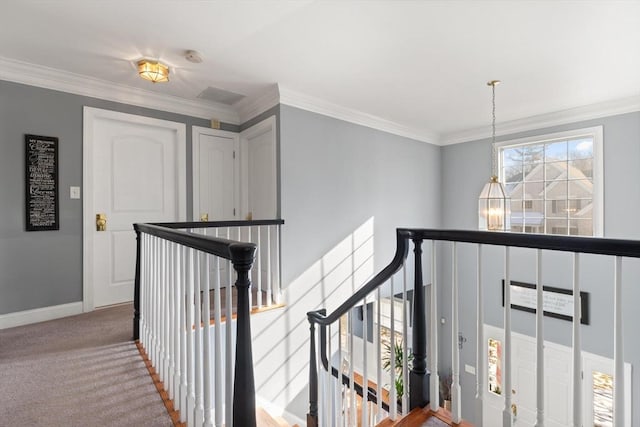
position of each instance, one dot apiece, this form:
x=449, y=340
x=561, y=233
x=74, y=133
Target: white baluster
x=456, y=410
x=251, y=273
x=340, y=406
x=206, y=343
x=164, y=304
x=278, y=290
x=330, y=400
x=191, y=399
x=258, y=263
x=144, y=292
x=405, y=339
x=199, y=416
x=269, y=271
x=539, y=341
x=365, y=376
x=185, y=331
x=177, y=326
x=507, y=415
x=171, y=321
x=377, y=345
x=434, y=392
x=155, y=305
x=393, y=397
x=576, y=351
x=352, y=388
x=618, y=349
x=480, y=365
x=217, y=313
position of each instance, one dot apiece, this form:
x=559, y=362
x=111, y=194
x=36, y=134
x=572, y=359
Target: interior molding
x=572, y=115
x=326, y=108
x=36, y=315
x=248, y=108
x=64, y=81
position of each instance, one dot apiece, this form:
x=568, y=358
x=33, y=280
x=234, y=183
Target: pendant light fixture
x=494, y=205
x=154, y=71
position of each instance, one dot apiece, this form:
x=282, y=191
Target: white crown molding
x=248, y=108
x=64, y=81
x=320, y=106
x=573, y=115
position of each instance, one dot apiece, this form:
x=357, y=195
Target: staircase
x=424, y=417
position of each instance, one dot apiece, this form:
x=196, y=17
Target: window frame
x=595, y=132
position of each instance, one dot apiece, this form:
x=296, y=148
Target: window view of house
x=495, y=363
x=551, y=185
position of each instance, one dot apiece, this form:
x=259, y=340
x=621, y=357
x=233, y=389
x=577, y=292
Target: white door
x=558, y=385
x=215, y=174
x=134, y=171
x=258, y=157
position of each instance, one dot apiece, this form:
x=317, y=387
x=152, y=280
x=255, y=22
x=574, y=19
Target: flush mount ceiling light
x=154, y=71
x=494, y=205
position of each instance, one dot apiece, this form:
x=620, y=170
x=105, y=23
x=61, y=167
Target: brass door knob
x=514, y=409
x=101, y=222
x=204, y=217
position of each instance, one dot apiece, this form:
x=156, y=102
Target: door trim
x=196, y=132
x=90, y=115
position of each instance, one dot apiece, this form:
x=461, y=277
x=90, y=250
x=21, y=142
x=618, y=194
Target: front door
x=134, y=171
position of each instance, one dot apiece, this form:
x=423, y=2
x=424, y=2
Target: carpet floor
x=79, y=371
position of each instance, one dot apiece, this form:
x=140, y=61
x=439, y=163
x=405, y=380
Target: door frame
x=196, y=132
x=90, y=115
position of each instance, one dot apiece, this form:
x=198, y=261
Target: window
x=555, y=182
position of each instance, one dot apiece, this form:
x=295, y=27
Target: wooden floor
x=425, y=417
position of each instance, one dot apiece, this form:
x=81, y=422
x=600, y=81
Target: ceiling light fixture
x=193, y=56
x=154, y=71
x=494, y=205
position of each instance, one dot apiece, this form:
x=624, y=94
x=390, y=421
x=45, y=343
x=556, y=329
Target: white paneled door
x=134, y=171
x=215, y=174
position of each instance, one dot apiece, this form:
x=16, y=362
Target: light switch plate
x=74, y=192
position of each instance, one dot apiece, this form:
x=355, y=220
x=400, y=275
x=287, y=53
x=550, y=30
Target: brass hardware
x=204, y=217
x=514, y=409
x=249, y=216
x=101, y=222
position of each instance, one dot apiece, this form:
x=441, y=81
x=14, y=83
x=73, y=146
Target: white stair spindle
x=144, y=292
x=480, y=365
x=171, y=321
x=229, y=349
x=393, y=395
x=539, y=342
x=251, y=273
x=378, y=347
x=258, y=266
x=405, y=336
x=191, y=398
x=184, y=330
x=456, y=410
x=618, y=349
x=352, y=392
x=269, y=278
x=365, y=376
x=199, y=417
x=177, y=325
x=330, y=401
x=217, y=313
x=206, y=343
x=576, y=351
x=340, y=396
x=278, y=285
x=434, y=391
x=165, y=311
x=507, y=414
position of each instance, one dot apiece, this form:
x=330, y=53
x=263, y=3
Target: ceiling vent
x=220, y=95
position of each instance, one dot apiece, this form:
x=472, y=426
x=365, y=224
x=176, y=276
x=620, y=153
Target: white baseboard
x=27, y=317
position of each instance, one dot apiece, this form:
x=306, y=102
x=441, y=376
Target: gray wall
x=465, y=169
x=335, y=175
x=44, y=268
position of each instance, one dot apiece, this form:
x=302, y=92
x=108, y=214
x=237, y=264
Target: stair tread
x=264, y=419
x=424, y=418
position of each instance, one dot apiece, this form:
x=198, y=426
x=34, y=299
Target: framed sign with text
x=41, y=183
x=557, y=302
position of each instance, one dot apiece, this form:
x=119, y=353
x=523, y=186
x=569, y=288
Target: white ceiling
x=420, y=64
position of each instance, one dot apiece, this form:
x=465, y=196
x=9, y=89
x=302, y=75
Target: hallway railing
x=183, y=281
x=334, y=395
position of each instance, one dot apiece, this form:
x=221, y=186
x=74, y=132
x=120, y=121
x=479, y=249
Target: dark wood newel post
x=136, y=287
x=312, y=416
x=418, y=379
x=244, y=389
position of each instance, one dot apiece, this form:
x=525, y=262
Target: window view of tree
x=551, y=186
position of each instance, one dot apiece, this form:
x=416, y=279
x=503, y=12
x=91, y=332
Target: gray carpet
x=79, y=371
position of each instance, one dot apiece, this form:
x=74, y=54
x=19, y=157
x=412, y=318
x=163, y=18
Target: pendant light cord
x=494, y=154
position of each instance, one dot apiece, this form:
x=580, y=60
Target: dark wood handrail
x=588, y=245
x=220, y=224
x=212, y=245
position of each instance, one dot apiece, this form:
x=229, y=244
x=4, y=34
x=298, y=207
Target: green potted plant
x=397, y=353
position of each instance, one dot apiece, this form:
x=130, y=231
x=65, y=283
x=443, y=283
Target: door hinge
x=234, y=154
x=234, y=211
